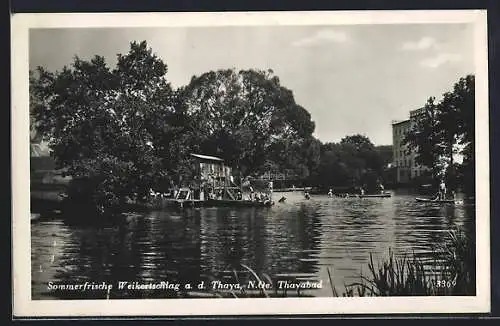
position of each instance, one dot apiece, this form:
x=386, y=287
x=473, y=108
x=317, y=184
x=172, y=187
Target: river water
x=321, y=239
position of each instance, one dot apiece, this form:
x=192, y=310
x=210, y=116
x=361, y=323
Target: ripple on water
x=302, y=237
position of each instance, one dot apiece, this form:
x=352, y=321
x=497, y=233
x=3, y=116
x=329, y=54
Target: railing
x=278, y=176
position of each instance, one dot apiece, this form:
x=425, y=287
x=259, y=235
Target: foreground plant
x=403, y=276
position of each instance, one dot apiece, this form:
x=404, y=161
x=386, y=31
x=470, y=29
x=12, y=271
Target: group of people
x=218, y=195
x=259, y=196
x=361, y=191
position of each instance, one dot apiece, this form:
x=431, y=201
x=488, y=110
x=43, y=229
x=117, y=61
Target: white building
x=404, y=159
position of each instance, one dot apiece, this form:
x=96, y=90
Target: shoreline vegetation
x=121, y=132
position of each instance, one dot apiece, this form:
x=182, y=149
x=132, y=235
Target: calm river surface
x=308, y=237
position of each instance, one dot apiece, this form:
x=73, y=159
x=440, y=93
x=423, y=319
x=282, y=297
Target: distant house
x=406, y=167
x=43, y=171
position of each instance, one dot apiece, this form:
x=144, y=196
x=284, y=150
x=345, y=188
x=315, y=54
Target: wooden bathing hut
x=213, y=179
x=212, y=185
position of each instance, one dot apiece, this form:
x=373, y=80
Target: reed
x=453, y=272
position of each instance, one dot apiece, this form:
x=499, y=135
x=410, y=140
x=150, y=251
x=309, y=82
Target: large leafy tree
x=363, y=160
x=102, y=123
x=353, y=162
x=247, y=118
x=424, y=138
x=446, y=129
x=457, y=111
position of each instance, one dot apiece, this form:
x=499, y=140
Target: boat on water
x=439, y=201
x=293, y=189
x=384, y=195
x=35, y=216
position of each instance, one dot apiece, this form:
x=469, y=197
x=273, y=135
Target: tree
x=352, y=163
x=458, y=124
x=364, y=160
x=424, y=138
x=385, y=153
x=247, y=118
x=101, y=124
x=446, y=129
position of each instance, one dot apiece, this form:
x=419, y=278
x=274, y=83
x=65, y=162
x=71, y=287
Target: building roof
x=417, y=112
x=208, y=158
x=397, y=122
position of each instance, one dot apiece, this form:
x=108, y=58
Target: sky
x=353, y=79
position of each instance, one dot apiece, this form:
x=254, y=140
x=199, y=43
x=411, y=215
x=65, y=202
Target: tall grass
x=453, y=272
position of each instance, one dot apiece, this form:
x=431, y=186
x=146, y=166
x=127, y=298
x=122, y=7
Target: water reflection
x=186, y=246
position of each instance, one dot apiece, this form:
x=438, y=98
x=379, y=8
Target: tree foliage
x=446, y=129
x=424, y=139
x=248, y=119
x=120, y=131
x=351, y=163
x=102, y=122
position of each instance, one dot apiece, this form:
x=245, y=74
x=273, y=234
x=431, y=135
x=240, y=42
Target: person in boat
x=381, y=188
x=239, y=196
x=251, y=193
x=256, y=197
x=362, y=191
x=330, y=193
x=306, y=195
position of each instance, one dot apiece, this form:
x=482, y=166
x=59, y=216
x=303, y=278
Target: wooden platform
x=215, y=203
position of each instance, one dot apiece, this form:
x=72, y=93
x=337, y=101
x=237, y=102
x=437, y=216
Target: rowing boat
x=384, y=195
x=441, y=201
